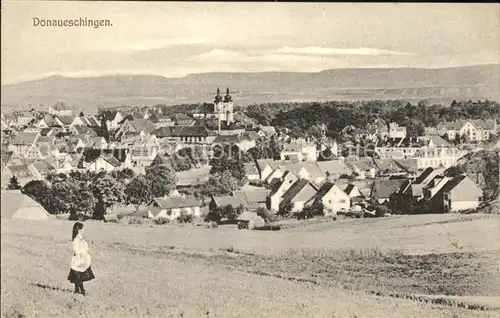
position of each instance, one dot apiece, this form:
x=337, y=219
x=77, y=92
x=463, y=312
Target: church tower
x=223, y=107
x=228, y=107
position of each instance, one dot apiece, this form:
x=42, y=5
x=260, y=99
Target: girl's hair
x=77, y=227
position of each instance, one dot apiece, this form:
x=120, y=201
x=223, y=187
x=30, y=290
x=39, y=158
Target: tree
x=73, y=197
x=162, y=179
x=104, y=128
x=108, y=191
x=14, y=184
x=81, y=114
x=454, y=171
x=264, y=213
x=381, y=211
x=286, y=209
x=220, y=184
x=39, y=191
x=138, y=191
x=223, y=163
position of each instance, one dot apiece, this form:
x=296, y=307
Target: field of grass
x=412, y=266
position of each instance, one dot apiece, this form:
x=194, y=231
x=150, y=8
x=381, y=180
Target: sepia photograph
x=250, y=159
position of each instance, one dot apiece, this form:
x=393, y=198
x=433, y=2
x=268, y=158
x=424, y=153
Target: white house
x=275, y=197
x=438, y=157
x=299, y=150
x=333, y=198
x=298, y=195
x=113, y=119
x=89, y=121
x=396, y=131
x=475, y=130
x=60, y=109
x=173, y=206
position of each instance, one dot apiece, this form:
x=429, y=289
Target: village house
x=414, y=189
x=396, y=131
x=64, y=121
x=301, y=192
x=376, y=130
x=40, y=169
x=143, y=149
x=60, y=109
x=20, y=171
x=80, y=130
x=266, y=167
x=354, y=193
x=451, y=194
x=173, y=206
x=400, y=148
x=161, y=120
x=96, y=142
x=22, y=118
x=438, y=157
x=362, y=168
x=278, y=188
x=389, y=168
x=473, y=130
x=268, y=130
x=383, y=190
x=186, y=135
x=327, y=144
x=220, y=202
x=299, y=150
x=105, y=160
x=181, y=119
x=87, y=121
x=113, y=118
x=8, y=121
x=243, y=141
x=135, y=127
x=47, y=121
x=251, y=171
x=253, y=199
x=23, y=145
x=334, y=169
x=332, y=198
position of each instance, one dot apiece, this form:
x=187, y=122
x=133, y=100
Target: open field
x=415, y=266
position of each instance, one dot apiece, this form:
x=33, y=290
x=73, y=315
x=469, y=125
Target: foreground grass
x=159, y=272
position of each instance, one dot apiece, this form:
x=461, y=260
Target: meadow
x=404, y=266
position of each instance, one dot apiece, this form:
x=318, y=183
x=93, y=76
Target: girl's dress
x=80, y=262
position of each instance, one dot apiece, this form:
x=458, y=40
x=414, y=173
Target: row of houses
x=475, y=130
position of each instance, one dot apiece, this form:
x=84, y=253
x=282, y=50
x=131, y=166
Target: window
x=342, y=201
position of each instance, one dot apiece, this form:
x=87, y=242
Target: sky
x=174, y=39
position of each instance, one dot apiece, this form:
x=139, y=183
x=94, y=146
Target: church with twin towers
x=222, y=108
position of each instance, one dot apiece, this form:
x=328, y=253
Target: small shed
x=249, y=220
x=16, y=205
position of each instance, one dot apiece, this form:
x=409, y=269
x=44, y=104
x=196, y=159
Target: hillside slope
x=472, y=82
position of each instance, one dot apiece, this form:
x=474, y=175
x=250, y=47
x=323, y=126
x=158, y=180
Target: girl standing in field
x=80, y=262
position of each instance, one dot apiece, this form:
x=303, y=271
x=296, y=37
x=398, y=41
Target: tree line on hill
x=303, y=119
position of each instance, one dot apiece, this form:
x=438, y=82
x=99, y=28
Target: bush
x=162, y=221
x=135, y=220
x=268, y=227
x=212, y=225
x=185, y=218
x=381, y=211
x=264, y=213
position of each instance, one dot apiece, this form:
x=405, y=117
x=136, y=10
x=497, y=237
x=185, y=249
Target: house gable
x=466, y=190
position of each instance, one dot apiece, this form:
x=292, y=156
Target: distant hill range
x=436, y=85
